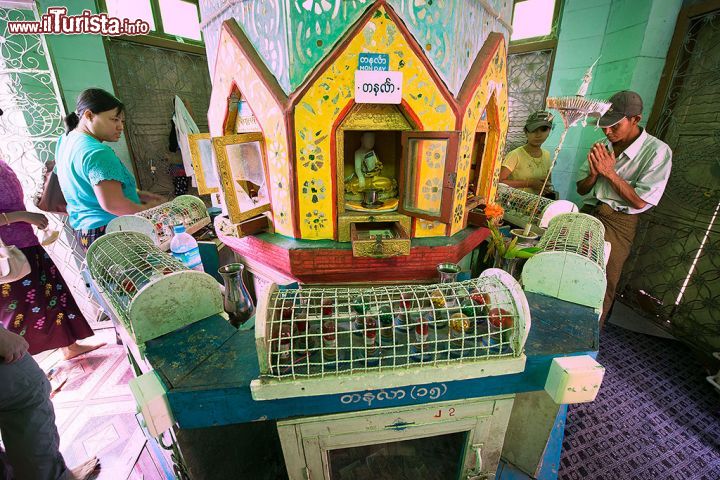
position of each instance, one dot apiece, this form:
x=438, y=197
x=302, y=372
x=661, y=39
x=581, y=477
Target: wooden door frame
x=449, y=173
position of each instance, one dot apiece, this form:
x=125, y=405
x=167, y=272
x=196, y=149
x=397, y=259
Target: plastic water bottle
x=184, y=247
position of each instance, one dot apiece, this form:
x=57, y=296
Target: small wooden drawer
x=476, y=217
x=379, y=239
x=252, y=226
x=224, y=226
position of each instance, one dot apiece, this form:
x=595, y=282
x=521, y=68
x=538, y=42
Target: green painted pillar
x=631, y=38
x=80, y=62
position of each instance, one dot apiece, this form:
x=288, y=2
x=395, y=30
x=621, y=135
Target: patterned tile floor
x=655, y=417
x=95, y=411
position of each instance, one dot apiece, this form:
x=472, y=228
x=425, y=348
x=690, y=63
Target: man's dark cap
x=624, y=104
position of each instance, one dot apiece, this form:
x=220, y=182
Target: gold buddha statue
x=359, y=186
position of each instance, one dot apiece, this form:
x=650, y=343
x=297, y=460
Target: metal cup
x=370, y=198
x=448, y=272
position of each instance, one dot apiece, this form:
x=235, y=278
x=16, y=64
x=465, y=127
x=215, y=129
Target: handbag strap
x=2, y=244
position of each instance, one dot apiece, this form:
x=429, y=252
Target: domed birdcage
x=149, y=291
x=519, y=206
x=157, y=222
x=312, y=341
x=571, y=263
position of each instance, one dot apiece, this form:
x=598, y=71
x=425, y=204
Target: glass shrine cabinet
x=443, y=441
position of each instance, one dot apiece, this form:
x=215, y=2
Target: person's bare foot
x=72, y=351
x=85, y=471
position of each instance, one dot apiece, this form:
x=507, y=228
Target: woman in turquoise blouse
x=96, y=184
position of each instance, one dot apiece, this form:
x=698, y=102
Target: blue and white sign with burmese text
x=378, y=87
x=379, y=62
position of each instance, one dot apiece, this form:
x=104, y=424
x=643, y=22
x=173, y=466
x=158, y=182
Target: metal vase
x=513, y=266
x=238, y=304
x=448, y=272
x=524, y=240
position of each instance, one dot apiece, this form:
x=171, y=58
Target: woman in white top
x=526, y=167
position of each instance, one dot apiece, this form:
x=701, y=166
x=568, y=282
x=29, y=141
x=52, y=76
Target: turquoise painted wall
x=452, y=32
x=631, y=37
x=80, y=63
x=293, y=36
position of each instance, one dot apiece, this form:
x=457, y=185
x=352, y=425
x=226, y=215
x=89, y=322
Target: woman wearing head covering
x=96, y=184
x=526, y=167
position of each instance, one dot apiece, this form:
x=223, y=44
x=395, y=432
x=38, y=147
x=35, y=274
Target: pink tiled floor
x=95, y=411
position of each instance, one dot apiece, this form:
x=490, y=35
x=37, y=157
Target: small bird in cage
x=422, y=331
x=362, y=324
x=434, y=319
x=476, y=306
x=304, y=343
x=437, y=298
x=286, y=309
x=128, y=285
x=164, y=227
x=301, y=323
x=403, y=316
x=452, y=306
x=586, y=245
x=370, y=356
x=500, y=324
x=328, y=307
x=358, y=305
x=480, y=298
x=469, y=308
x=282, y=345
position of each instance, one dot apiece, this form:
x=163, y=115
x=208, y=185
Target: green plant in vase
x=502, y=249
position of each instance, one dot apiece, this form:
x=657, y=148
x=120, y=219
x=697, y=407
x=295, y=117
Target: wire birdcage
x=150, y=292
x=305, y=336
x=576, y=233
x=157, y=222
x=571, y=261
x=519, y=206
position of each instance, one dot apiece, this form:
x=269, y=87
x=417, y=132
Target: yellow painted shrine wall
x=233, y=67
x=318, y=109
x=493, y=82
